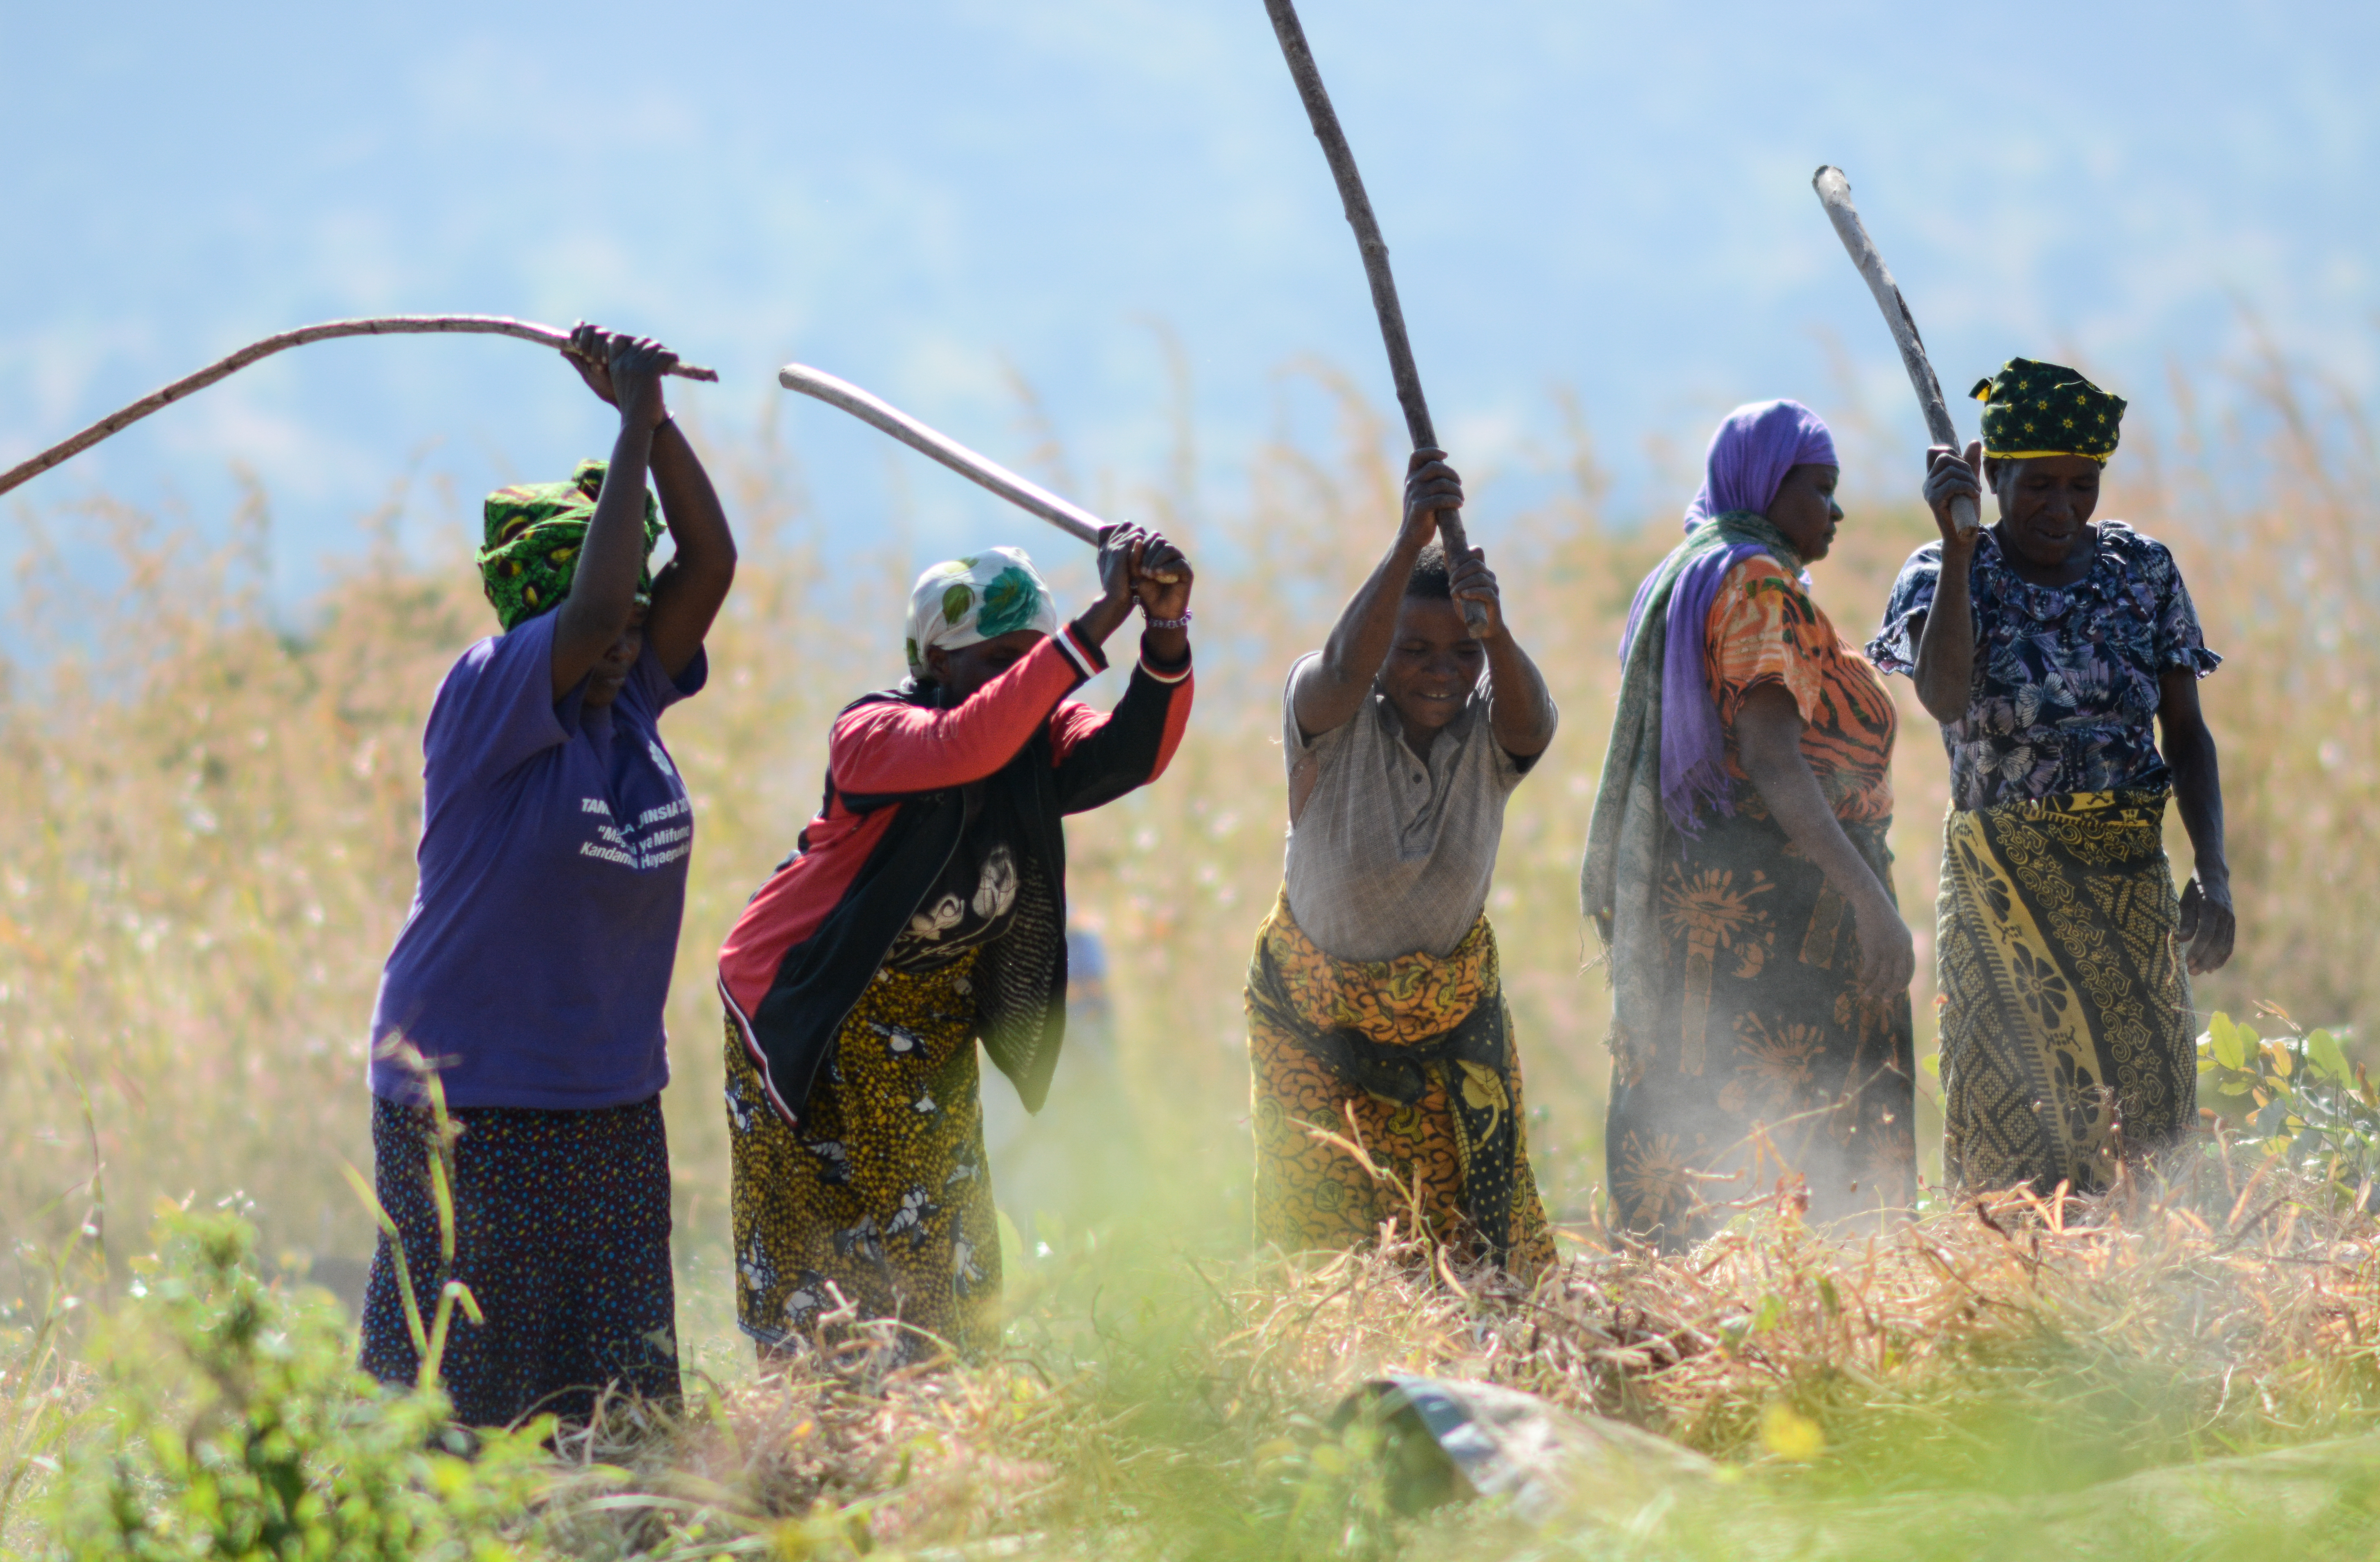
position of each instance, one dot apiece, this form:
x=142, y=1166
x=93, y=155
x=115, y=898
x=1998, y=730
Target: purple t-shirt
x=555, y=842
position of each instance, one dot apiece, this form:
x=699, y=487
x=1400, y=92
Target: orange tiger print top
x=1765, y=629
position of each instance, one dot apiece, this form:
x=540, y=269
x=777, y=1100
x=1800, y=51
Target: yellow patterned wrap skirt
x=881, y=1198
x=1324, y=1039
x=2067, y=1032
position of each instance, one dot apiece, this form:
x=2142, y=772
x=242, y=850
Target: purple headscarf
x=1754, y=447
x=1749, y=456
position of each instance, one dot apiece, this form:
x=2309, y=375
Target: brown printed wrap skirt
x=1755, y=1055
x=881, y=1199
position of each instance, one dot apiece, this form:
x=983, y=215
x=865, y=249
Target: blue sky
x=922, y=195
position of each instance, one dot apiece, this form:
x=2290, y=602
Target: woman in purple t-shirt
x=529, y=980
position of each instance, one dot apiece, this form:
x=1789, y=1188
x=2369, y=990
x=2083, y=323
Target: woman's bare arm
x=2208, y=924
x=604, y=584
x=1769, y=739
x=1329, y=695
x=688, y=593
x=1520, y=711
x=1946, y=634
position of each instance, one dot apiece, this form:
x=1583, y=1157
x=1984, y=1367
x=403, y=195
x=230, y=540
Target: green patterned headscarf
x=979, y=598
x=2040, y=409
x=534, y=531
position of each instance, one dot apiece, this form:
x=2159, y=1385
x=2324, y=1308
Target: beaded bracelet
x=1181, y=622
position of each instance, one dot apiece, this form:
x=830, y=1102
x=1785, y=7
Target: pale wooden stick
x=1068, y=517
x=1834, y=195
x=385, y=325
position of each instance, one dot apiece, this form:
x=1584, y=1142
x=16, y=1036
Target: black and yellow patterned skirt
x=881, y=1199
x=2067, y=1032
x=1456, y=1147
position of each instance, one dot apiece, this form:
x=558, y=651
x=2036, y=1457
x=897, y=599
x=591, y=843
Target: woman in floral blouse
x=2064, y=955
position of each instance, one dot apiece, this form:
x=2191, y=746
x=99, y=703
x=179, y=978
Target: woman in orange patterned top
x=1737, y=871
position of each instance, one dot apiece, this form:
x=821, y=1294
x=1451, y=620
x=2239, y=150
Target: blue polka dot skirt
x=563, y=1234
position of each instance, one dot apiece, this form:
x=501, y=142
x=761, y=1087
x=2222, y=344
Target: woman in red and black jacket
x=925, y=907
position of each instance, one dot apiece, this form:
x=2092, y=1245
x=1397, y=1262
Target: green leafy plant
x=236, y=1425
x=243, y=1429
x=2304, y=1103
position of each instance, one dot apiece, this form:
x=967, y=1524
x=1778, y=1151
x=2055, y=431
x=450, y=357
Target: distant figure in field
x=1376, y=1005
x=530, y=974
x=2057, y=648
x=1079, y=1159
x=924, y=908
x=1090, y=1007
x=1736, y=867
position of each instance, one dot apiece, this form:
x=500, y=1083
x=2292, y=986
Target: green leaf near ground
x=2230, y=1050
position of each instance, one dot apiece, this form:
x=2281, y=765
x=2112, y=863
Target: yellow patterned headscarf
x=534, y=532
x=2041, y=409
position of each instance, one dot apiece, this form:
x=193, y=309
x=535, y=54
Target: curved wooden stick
x=1342, y=158
x=1070, y=518
x=384, y=325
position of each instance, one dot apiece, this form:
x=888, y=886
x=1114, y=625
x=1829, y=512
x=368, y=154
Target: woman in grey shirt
x=1374, y=1003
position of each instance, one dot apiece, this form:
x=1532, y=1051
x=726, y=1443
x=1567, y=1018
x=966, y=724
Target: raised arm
x=603, y=586
x=887, y=749
x=1520, y=711
x=1330, y=693
x=1946, y=634
x=2208, y=923
x=691, y=587
x=1099, y=757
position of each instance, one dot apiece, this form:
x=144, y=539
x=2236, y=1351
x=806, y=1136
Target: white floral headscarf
x=979, y=598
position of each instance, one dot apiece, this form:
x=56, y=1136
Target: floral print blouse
x=2065, y=696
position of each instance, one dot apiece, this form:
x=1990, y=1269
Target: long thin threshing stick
x=1342, y=157
x=1072, y=519
x=386, y=325
x=1834, y=195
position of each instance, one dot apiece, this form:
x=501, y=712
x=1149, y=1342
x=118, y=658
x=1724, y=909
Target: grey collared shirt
x=1393, y=854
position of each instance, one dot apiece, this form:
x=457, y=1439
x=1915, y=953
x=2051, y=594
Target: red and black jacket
x=900, y=772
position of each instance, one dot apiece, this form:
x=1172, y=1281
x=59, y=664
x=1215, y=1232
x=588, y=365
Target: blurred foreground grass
x=2185, y=1369
x=210, y=825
